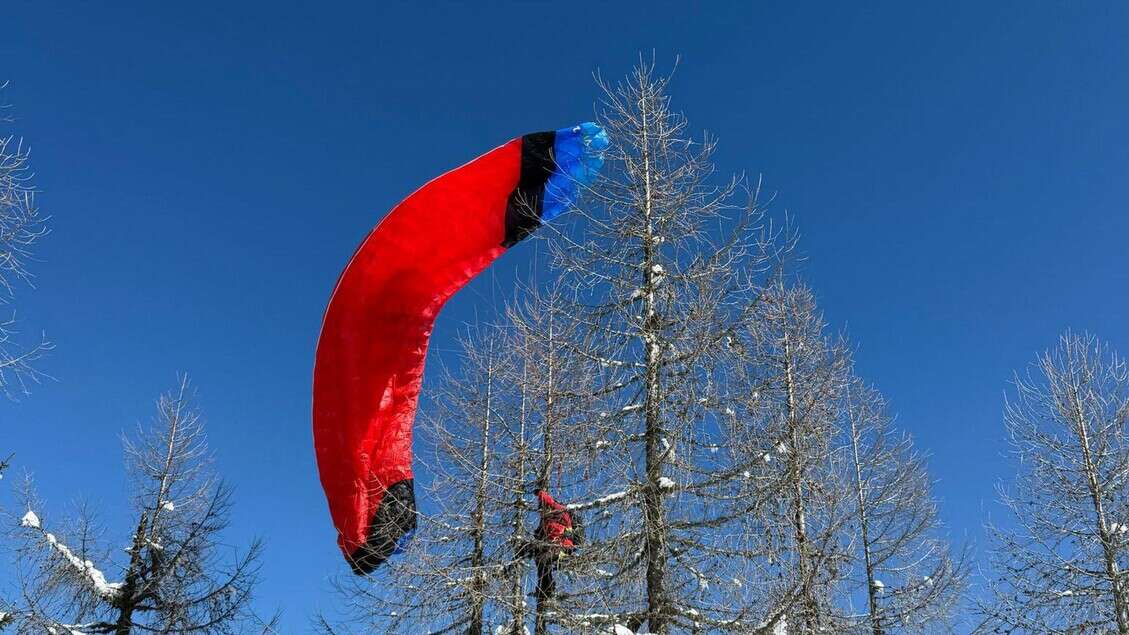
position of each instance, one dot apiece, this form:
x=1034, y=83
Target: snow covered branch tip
x=109, y=591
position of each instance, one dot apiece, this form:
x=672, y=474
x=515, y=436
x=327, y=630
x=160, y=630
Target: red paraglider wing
x=370, y=356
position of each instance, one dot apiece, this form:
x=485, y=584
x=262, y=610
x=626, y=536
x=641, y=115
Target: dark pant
x=546, y=565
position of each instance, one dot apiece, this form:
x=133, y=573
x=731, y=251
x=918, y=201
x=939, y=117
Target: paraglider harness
x=557, y=535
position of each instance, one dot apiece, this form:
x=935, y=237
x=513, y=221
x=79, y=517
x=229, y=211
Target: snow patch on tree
x=108, y=591
x=620, y=629
x=30, y=519
x=610, y=498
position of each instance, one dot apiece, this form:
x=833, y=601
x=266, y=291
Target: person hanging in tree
x=553, y=539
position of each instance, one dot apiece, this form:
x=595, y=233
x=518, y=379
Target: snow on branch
x=612, y=621
x=599, y=502
x=30, y=520
x=664, y=484
x=63, y=629
x=109, y=591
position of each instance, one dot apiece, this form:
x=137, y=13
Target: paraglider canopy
x=370, y=357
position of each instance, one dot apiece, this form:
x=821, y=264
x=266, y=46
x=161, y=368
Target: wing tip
x=579, y=155
x=391, y=527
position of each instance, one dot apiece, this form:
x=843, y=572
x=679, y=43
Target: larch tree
x=175, y=576
x=788, y=406
x=1058, y=563
x=664, y=263
x=21, y=228
x=911, y=580
x=843, y=511
x=553, y=442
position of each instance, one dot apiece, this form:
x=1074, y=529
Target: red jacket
x=556, y=522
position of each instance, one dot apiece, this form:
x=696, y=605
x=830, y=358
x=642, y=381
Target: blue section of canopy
x=579, y=154
x=403, y=541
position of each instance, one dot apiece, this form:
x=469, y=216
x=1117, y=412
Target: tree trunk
x=799, y=519
x=478, y=588
x=517, y=537
x=864, y=527
x=1120, y=601
x=126, y=604
x=541, y=624
x=654, y=514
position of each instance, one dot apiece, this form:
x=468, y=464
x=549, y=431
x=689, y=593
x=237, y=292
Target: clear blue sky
x=959, y=174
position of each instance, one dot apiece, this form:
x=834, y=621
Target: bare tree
x=554, y=438
x=911, y=581
x=788, y=406
x=464, y=548
x=665, y=265
x=21, y=228
x=843, y=511
x=175, y=577
x=1058, y=565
